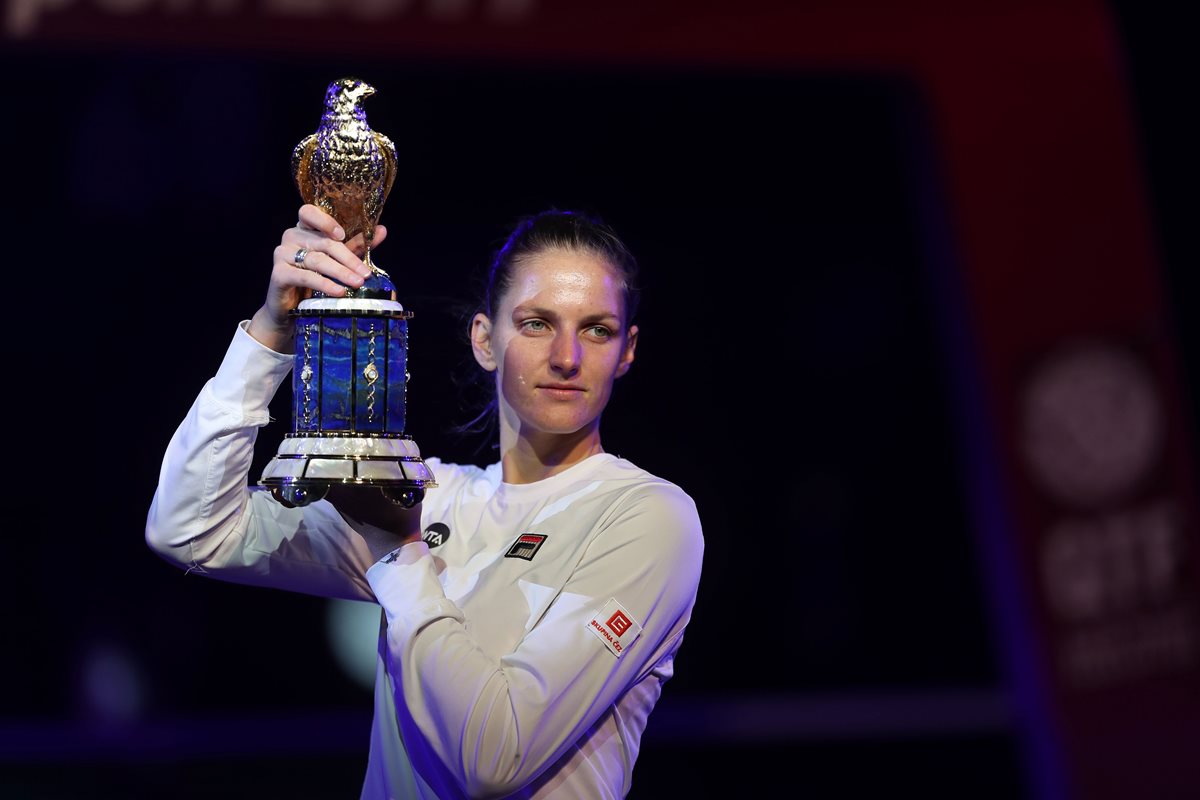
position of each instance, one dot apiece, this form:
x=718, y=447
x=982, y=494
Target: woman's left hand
x=382, y=524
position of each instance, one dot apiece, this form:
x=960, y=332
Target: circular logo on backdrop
x=1092, y=424
x=437, y=534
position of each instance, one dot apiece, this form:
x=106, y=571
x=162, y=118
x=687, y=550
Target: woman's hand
x=329, y=266
x=382, y=524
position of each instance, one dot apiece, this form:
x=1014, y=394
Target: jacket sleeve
x=205, y=518
x=496, y=724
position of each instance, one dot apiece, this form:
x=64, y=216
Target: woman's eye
x=600, y=332
x=534, y=325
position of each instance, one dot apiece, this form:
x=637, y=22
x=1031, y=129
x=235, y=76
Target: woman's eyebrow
x=538, y=311
x=604, y=316
x=549, y=312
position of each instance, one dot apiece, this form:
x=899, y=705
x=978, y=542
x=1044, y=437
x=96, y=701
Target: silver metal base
x=301, y=493
x=306, y=466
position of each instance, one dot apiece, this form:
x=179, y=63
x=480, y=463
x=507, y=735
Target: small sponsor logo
x=614, y=643
x=526, y=546
x=618, y=631
x=618, y=623
x=437, y=534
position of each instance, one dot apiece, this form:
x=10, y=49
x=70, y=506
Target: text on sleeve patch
x=615, y=626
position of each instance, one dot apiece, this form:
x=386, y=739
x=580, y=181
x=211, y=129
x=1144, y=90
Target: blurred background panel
x=905, y=340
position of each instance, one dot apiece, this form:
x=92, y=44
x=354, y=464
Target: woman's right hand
x=329, y=266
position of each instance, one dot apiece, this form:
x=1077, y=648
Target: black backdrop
x=790, y=377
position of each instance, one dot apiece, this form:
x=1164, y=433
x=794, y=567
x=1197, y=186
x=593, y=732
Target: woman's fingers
x=321, y=238
x=315, y=219
x=286, y=277
x=295, y=239
x=312, y=255
x=356, y=244
x=290, y=269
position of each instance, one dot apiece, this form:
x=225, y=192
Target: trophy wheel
x=292, y=496
x=404, y=497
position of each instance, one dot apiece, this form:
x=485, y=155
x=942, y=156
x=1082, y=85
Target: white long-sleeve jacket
x=520, y=657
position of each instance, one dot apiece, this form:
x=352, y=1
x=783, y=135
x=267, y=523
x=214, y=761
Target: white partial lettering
x=1092, y=567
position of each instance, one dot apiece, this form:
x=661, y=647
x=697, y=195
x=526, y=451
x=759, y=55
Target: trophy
x=350, y=374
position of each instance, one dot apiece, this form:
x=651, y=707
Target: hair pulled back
x=560, y=230
x=548, y=230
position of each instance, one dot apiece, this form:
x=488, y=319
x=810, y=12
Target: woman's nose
x=564, y=354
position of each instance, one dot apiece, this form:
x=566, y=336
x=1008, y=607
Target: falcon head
x=346, y=94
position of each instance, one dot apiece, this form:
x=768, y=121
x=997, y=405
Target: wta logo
x=437, y=534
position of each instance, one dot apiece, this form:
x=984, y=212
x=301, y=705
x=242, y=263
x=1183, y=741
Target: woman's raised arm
x=204, y=517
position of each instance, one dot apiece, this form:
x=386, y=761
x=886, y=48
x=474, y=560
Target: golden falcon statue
x=346, y=168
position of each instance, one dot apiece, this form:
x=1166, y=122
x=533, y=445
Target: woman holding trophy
x=532, y=609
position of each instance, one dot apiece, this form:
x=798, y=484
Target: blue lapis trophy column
x=350, y=375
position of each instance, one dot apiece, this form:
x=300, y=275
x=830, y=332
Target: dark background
x=791, y=376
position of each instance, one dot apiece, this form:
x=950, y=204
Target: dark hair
x=566, y=230
x=548, y=230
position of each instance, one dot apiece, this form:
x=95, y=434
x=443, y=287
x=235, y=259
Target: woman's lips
x=562, y=391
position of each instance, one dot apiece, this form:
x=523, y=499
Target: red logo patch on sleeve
x=615, y=626
x=618, y=623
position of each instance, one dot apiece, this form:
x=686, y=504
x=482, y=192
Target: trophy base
x=306, y=466
x=296, y=494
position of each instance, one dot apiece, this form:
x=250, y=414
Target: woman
x=525, y=647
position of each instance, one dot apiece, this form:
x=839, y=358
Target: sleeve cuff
x=406, y=584
x=250, y=374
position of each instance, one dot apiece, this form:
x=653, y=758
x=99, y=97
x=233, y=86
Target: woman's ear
x=630, y=347
x=481, y=342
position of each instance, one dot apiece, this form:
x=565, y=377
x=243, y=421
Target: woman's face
x=557, y=342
